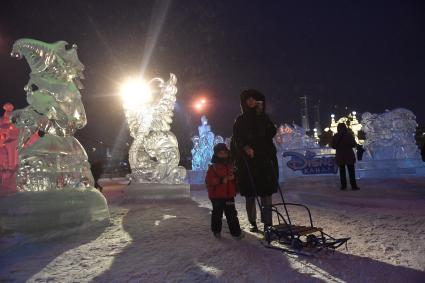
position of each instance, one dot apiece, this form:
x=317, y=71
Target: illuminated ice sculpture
x=350, y=121
x=288, y=137
x=203, y=145
x=54, y=182
x=390, y=135
x=8, y=153
x=154, y=154
x=55, y=112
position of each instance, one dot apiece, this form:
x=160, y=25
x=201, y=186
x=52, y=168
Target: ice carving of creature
x=154, y=154
x=390, y=135
x=203, y=146
x=55, y=111
x=295, y=137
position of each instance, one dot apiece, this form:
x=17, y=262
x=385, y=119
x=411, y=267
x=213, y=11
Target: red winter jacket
x=214, y=180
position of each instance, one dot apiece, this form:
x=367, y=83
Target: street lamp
x=135, y=92
x=200, y=104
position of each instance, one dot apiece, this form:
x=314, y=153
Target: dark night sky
x=366, y=55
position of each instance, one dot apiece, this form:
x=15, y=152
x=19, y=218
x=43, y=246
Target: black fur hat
x=258, y=96
x=219, y=147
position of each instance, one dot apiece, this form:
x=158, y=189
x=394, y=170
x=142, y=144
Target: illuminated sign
x=310, y=164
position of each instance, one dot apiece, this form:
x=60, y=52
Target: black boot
x=253, y=227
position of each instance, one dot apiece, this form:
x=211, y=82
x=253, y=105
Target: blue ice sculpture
x=203, y=145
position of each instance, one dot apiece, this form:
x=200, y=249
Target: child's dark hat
x=220, y=147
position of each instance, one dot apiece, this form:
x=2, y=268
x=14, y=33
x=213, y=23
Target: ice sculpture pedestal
x=37, y=212
x=151, y=191
x=196, y=177
x=390, y=168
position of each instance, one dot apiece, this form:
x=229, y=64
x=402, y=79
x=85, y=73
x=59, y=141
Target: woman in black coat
x=343, y=141
x=255, y=155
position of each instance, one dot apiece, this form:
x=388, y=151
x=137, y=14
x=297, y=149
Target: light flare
x=135, y=92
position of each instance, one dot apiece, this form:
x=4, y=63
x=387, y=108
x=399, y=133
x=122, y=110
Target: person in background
x=97, y=170
x=343, y=141
x=221, y=187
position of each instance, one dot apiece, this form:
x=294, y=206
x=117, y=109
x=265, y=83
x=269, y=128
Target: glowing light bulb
x=135, y=92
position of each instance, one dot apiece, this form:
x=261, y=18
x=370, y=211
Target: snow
x=170, y=240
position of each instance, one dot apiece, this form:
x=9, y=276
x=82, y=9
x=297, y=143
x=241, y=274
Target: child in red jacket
x=222, y=191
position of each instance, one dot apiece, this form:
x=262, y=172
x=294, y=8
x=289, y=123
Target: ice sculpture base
x=38, y=212
x=196, y=177
x=392, y=168
x=148, y=191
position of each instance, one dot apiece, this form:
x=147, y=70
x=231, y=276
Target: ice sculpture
x=154, y=155
x=350, y=121
x=55, y=112
x=390, y=135
x=203, y=145
x=54, y=182
x=8, y=153
x=295, y=137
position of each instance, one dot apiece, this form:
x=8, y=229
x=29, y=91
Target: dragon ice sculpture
x=56, y=160
x=390, y=135
x=154, y=155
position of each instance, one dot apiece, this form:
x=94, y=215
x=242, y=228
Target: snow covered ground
x=170, y=241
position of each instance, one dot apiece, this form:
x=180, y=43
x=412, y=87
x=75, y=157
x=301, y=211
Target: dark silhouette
x=343, y=142
x=222, y=191
x=423, y=152
x=359, y=152
x=97, y=170
x=255, y=155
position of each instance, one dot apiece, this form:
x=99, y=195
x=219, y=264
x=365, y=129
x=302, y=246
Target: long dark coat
x=257, y=131
x=344, y=142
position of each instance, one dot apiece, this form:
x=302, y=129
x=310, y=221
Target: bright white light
x=135, y=92
x=354, y=113
x=333, y=115
x=198, y=106
x=315, y=130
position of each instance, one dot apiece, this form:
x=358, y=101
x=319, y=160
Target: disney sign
x=310, y=163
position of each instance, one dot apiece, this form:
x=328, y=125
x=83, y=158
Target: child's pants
x=228, y=206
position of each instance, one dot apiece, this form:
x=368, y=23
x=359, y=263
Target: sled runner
x=289, y=237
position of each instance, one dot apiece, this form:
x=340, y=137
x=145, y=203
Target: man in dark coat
x=343, y=141
x=255, y=156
